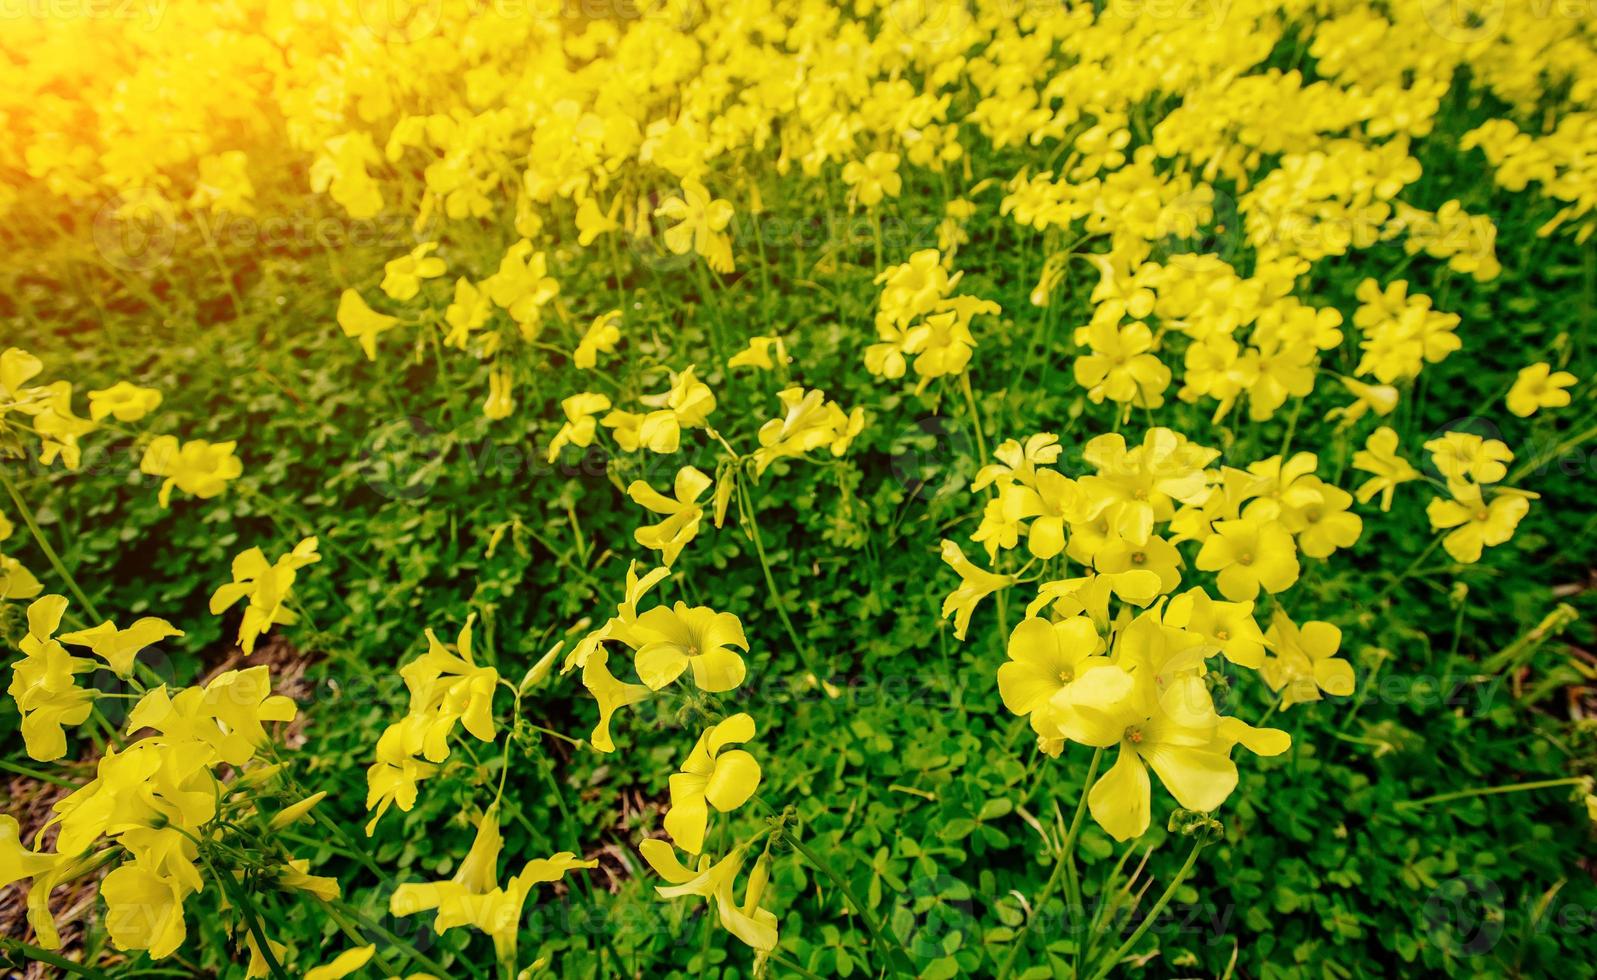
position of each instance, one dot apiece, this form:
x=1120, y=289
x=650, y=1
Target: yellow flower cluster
x=1117, y=656
x=159, y=803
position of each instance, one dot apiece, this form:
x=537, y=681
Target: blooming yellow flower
x=713, y=775
x=762, y=353
x=701, y=225
x=362, y=323
x=447, y=687
x=42, y=683
x=124, y=401
x=1303, y=661
x=197, y=467
x=580, y=425
x=402, y=276
x=268, y=586
x=1466, y=456
x=1473, y=523
x=118, y=648
x=1379, y=457
x=670, y=641
x=1537, y=387
x=975, y=584
x=751, y=924
x=682, y=513
x=601, y=337
x=872, y=179
x=1249, y=554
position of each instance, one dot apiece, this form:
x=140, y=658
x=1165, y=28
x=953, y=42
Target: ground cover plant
x=926, y=488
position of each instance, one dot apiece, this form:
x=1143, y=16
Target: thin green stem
x=1465, y=794
x=975, y=415
x=806, y=656
x=896, y=955
x=45, y=956
x=1405, y=573
x=50, y=555
x=1066, y=858
x=1153, y=915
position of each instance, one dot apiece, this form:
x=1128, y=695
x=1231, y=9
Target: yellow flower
x=873, y=179
x=1228, y=627
x=125, y=402
x=1044, y=657
x=343, y=964
x=975, y=584
x=500, y=402
x=144, y=910
x=601, y=337
x=1381, y=399
x=226, y=716
x=1121, y=366
x=268, y=587
x=809, y=423
x=762, y=353
x=701, y=223
x=1537, y=387
x=447, y=687
x=670, y=641
x=1303, y=661
x=474, y=898
x=42, y=683
x=682, y=514
x=402, y=276
x=522, y=286
x=580, y=425
x=1466, y=456
x=1250, y=553
x=197, y=467
x=1379, y=457
x=468, y=312
x=16, y=582
x=117, y=647
x=1172, y=731
x=592, y=222
x=393, y=777
x=713, y=775
x=753, y=926
x=1476, y=524
x=611, y=693
x=362, y=323
x=54, y=422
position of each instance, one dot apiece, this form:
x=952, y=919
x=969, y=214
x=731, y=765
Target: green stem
x=56, y=960
x=1419, y=560
x=896, y=955
x=1066, y=858
x=1541, y=459
x=805, y=655
x=1465, y=794
x=1153, y=914
x=975, y=415
x=432, y=966
x=44, y=545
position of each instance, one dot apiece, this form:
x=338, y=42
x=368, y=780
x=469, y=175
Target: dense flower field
x=1003, y=488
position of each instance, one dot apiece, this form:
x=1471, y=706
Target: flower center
x=1134, y=735
x=1138, y=558
x=1246, y=559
